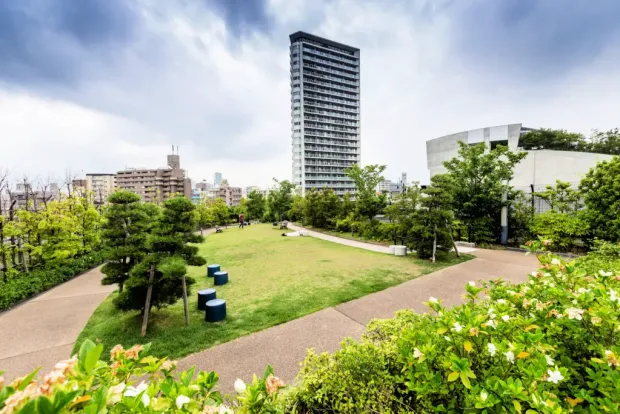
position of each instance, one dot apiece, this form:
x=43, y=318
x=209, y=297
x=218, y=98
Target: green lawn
x=272, y=279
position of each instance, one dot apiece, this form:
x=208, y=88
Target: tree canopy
x=607, y=142
x=601, y=194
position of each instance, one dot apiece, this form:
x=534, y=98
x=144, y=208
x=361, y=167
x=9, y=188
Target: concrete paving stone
x=20, y=365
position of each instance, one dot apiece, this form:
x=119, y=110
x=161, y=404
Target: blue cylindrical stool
x=220, y=278
x=204, y=296
x=216, y=310
x=211, y=269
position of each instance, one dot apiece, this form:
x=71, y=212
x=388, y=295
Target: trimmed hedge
x=25, y=285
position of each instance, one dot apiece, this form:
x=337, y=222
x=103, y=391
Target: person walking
x=241, y=220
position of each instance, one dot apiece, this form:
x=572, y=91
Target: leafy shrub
x=344, y=225
x=548, y=345
x=87, y=384
x=24, y=285
x=564, y=230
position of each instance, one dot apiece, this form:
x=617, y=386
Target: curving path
x=42, y=331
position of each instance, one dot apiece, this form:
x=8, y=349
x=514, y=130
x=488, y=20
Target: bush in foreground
x=549, y=345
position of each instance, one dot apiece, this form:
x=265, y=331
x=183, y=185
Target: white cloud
x=226, y=103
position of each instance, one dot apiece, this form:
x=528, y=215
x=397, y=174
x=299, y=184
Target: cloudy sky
x=98, y=85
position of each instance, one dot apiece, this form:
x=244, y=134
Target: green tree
x=367, y=203
x=607, y=142
x=348, y=205
x=403, y=208
x=561, y=198
x=297, y=208
x=521, y=215
x=256, y=205
x=280, y=199
x=220, y=212
x=124, y=235
x=432, y=222
x=164, y=268
x=480, y=176
x=601, y=194
x=553, y=139
x=88, y=220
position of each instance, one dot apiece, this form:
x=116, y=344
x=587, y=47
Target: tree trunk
x=434, y=243
x=452, y=238
x=13, y=241
x=185, y=306
x=147, y=304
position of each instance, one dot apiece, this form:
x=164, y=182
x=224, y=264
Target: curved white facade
x=539, y=169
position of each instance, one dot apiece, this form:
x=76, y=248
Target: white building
x=539, y=168
x=325, y=112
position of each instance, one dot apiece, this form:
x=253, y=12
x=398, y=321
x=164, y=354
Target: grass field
x=272, y=279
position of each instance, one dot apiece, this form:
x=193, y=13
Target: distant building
x=78, y=183
x=26, y=196
x=156, y=185
x=101, y=185
x=251, y=188
x=384, y=185
x=203, y=185
x=403, y=179
x=217, y=179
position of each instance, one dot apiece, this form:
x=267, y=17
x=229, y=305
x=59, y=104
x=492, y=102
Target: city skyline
x=213, y=78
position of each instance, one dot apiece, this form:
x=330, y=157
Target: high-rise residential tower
x=325, y=108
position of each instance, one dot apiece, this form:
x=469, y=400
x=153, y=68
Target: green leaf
x=85, y=348
x=468, y=346
x=61, y=399
x=268, y=371
x=442, y=330
x=27, y=380
x=92, y=356
x=45, y=406
x=29, y=408
x=148, y=360
x=453, y=376
x=517, y=405
x=465, y=380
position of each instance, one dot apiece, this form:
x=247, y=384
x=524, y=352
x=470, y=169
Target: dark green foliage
x=521, y=216
x=561, y=198
x=565, y=230
x=256, y=205
x=560, y=140
x=280, y=199
x=601, y=194
x=367, y=203
x=169, y=253
x=480, y=177
x=21, y=286
x=124, y=234
x=322, y=208
x=432, y=222
x=296, y=213
x=401, y=211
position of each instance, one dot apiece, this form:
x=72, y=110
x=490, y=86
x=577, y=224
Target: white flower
x=491, y=311
x=492, y=323
x=472, y=283
x=574, y=313
x=551, y=285
x=491, y=348
x=417, y=354
x=534, y=273
x=433, y=300
x=483, y=396
x=505, y=318
x=457, y=327
x=526, y=289
x=501, y=301
x=510, y=357
x=550, y=360
x=613, y=296
x=447, y=338
x=182, y=400
x=555, y=261
x=140, y=389
x=224, y=410
x=554, y=376
x=581, y=290
x=135, y=391
x=239, y=386
x=604, y=273
x=115, y=393
x=511, y=292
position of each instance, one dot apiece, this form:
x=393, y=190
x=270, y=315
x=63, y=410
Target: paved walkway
x=284, y=346
x=42, y=331
x=358, y=244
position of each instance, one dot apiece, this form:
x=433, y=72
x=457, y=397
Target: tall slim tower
x=325, y=109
